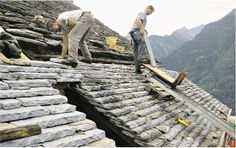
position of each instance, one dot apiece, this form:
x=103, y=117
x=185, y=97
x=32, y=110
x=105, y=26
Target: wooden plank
x=23, y=61
x=24, y=57
x=153, y=85
x=165, y=77
x=160, y=73
x=159, y=90
x=149, y=49
x=164, y=94
x=2, y=56
x=19, y=132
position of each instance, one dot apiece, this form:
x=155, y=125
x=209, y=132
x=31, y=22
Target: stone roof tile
x=27, y=97
x=139, y=116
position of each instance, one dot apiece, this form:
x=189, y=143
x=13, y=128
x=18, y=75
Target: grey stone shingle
x=27, y=97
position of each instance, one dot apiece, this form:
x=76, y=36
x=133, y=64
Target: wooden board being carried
x=165, y=77
x=149, y=50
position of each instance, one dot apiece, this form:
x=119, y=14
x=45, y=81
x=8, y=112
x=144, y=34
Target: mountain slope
x=209, y=58
x=164, y=45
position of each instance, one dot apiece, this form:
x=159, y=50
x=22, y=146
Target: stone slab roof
x=27, y=97
x=16, y=17
x=148, y=118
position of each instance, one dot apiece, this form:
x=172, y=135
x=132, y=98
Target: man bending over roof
x=75, y=26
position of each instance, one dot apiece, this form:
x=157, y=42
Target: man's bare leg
x=64, y=47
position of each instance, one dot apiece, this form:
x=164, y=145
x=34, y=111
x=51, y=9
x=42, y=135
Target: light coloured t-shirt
x=143, y=17
x=63, y=18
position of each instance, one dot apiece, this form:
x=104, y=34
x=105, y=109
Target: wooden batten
x=2, y=56
x=19, y=132
x=24, y=57
x=160, y=73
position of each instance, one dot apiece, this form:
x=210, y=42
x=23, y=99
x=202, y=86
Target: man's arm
x=71, y=22
x=140, y=25
x=64, y=46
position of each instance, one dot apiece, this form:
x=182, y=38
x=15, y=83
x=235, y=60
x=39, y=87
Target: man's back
x=74, y=14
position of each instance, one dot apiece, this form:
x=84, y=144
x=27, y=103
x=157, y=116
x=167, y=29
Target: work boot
x=139, y=71
x=72, y=60
x=86, y=60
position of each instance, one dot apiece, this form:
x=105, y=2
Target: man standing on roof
x=75, y=26
x=137, y=32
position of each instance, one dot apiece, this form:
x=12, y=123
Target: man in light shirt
x=75, y=26
x=137, y=32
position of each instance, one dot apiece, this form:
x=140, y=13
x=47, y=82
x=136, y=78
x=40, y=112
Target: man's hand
x=71, y=22
x=140, y=25
x=142, y=30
